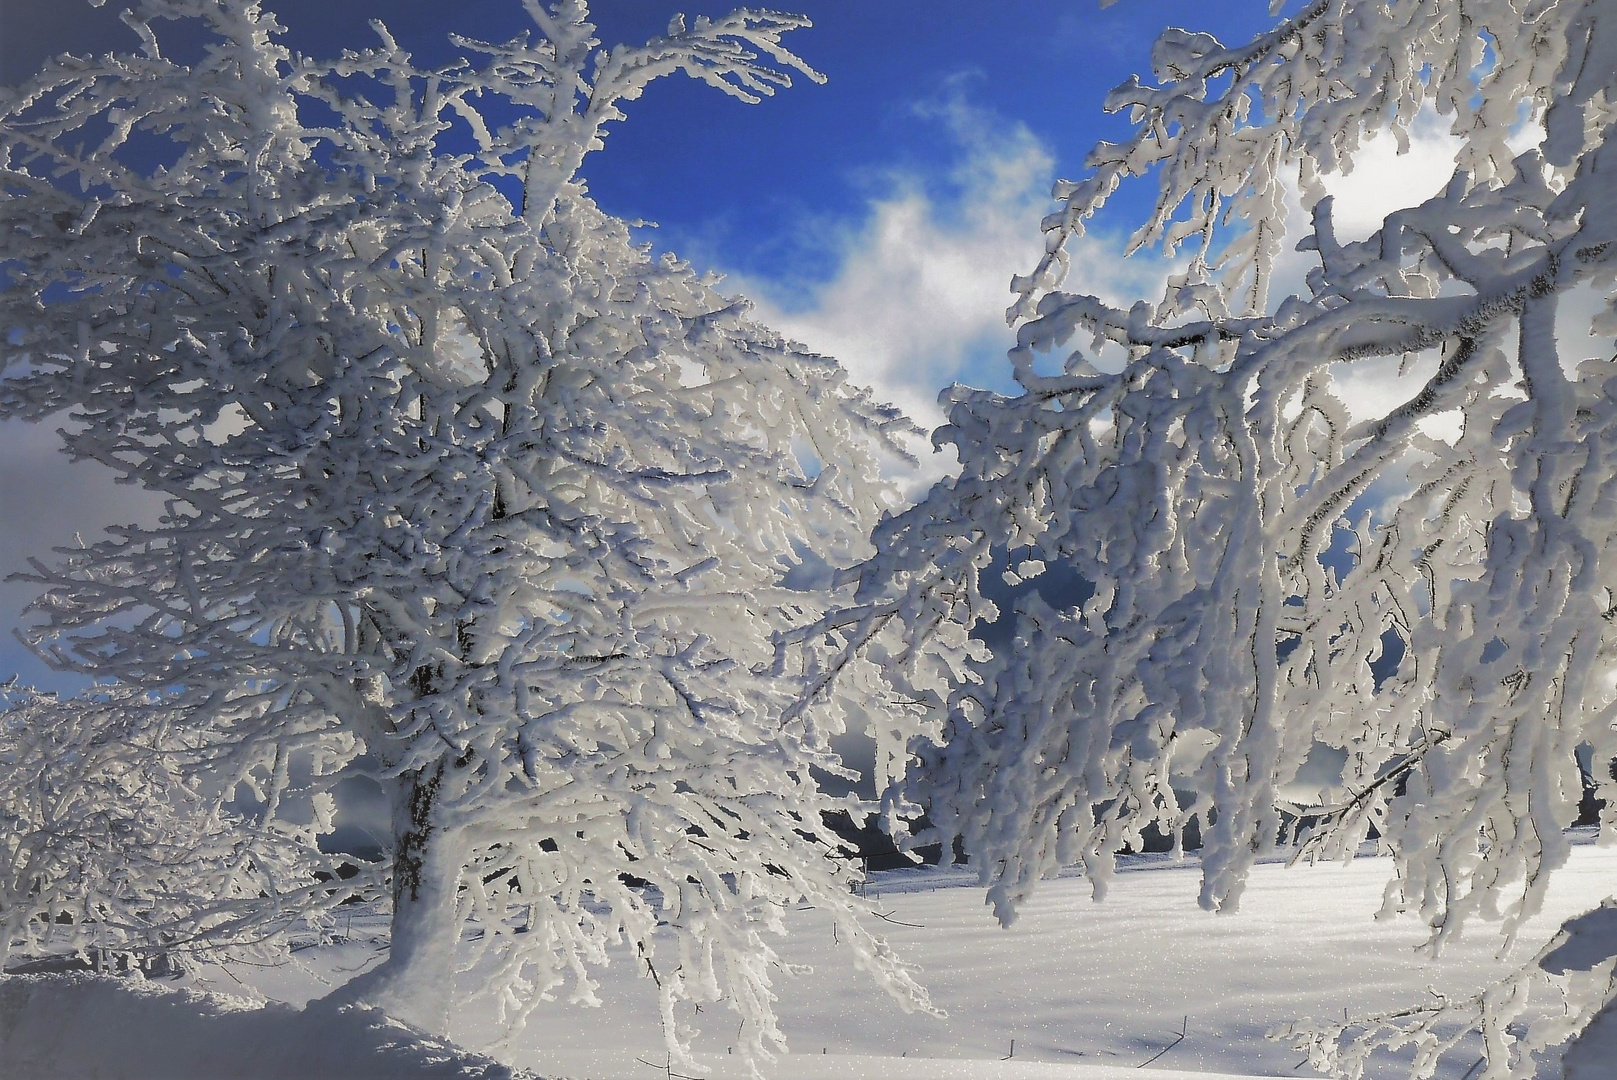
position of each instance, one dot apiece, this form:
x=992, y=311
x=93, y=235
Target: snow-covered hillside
x=1087, y=991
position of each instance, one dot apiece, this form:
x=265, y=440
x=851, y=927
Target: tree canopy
x=1313, y=620
x=464, y=488
x=467, y=490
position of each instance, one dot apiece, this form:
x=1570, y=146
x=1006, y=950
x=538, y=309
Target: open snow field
x=1087, y=991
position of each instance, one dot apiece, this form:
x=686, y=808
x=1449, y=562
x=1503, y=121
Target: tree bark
x=415, y=982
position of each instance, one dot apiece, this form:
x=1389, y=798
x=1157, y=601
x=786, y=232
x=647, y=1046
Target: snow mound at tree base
x=92, y=1027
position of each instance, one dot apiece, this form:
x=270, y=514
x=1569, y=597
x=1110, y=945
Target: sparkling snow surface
x=1088, y=991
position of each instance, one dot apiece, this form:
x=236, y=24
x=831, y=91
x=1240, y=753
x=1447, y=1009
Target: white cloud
x=923, y=283
x=47, y=501
x=919, y=297
x=1382, y=180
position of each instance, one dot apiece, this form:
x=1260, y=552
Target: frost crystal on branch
x=483, y=497
x=1256, y=549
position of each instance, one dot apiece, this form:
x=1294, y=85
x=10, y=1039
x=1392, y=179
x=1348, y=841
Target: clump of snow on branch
x=466, y=490
x=1258, y=560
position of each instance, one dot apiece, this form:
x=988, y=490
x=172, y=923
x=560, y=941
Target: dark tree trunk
x=414, y=983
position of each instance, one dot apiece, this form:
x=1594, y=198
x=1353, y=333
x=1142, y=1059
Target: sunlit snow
x=1086, y=990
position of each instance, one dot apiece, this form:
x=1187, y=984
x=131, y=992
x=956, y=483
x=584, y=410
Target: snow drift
x=91, y=1027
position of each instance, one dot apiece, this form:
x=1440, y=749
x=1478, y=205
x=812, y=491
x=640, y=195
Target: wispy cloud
x=918, y=297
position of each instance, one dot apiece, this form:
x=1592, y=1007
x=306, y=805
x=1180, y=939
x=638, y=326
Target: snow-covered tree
x=462, y=486
x=1261, y=543
x=114, y=841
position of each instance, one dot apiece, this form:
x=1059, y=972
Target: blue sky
x=922, y=97
x=745, y=179
x=878, y=217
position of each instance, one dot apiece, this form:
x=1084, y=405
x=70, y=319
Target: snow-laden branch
x=1316, y=616
x=1222, y=123
x=114, y=842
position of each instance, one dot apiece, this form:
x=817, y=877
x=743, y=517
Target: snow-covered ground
x=86, y=1027
x=1087, y=991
